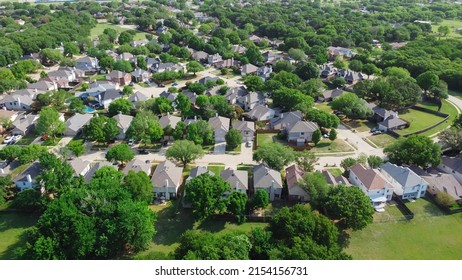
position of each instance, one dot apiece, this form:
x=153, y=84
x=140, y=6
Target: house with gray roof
x=24, y=124
x=127, y=57
x=301, y=132
x=235, y=95
x=249, y=101
x=237, y=179
x=123, y=123
x=200, y=56
x=380, y=114
x=205, y=80
x=97, y=166
x=327, y=71
x=75, y=123
x=139, y=43
x=139, y=75
x=197, y=171
x=294, y=178
x=249, y=69
x=166, y=180
x=87, y=64
x=220, y=126
x=168, y=119
x=138, y=165
x=43, y=86
x=214, y=58
x=169, y=95
x=81, y=167
x=392, y=123
x=20, y=100
x=137, y=97
x=285, y=120
x=246, y=128
x=407, y=184
x=238, y=49
x=329, y=95
x=262, y=113
x=452, y=165
x=267, y=179
x=27, y=179
x=335, y=181
x=169, y=66
x=264, y=72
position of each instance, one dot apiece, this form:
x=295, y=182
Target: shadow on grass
x=10, y=252
x=12, y=231
x=323, y=144
x=171, y=223
x=212, y=225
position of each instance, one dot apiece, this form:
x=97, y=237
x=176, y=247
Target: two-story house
x=166, y=180
x=407, y=184
x=267, y=179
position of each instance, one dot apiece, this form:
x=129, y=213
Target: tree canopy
x=274, y=155
x=184, y=151
x=415, y=149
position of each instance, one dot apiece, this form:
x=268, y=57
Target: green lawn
x=335, y=171
x=359, y=125
x=430, y=235
x=336, y=146
x=418, y=120
x=265, y=138
x=99, y=29
x=173, y=221
x=27, y=139
x=381, y=140
x=233, y=151
x=428, y=105
x=324, y=106
x=12, y=227
x=446, y=108
x=216, y=168
x=51, y=142
x=452, y=24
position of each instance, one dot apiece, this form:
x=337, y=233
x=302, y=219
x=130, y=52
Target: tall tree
x=184, y=151
x=351, y=105
x=194, y=67
x=121, y=152
x=123, y=106
x=253, y=83
x=274, y=155
x=139, y=185
x=415, y=149
x=316, y=137
x=306, y=160
x=49, y=123
x=76, y=147
x=317, y=188
x=233, y=138
x=101, y=129
x=145, y=128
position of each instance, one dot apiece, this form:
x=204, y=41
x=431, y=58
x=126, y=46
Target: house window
x=422, y=192
x=302, y=133
x=453, y=171
x=276, y=196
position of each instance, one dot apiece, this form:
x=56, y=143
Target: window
x=302, y=133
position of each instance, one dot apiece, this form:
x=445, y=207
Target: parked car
x=374, y=129
x=131, y=142
x=376, y=132
x=143, y=152
x=326, y=135
x=17, y=138
x=7, y=139
x=248, y=144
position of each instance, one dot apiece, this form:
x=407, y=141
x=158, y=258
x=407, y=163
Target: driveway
x=220, y=148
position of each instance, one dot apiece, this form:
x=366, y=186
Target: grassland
x=381, y=140
x=99, y=28
x=430, y=235
x=12, y=228
x=216, y=168
x=452, y=24
x=418, y=120
x=336, y=146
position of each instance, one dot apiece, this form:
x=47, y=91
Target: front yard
x=216, y=168
x=429, y=236
x=381, y=140
x=336, y=146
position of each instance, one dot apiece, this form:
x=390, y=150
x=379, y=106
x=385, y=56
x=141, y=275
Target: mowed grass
x=265, y=138
x=173, y=221
x=216, y=169
x=12, y=227
x=328, y=146
x=452, y=24
x=446, y=108
x=99, y=29
x=417, y=120
x=381, y=140
x=429, y=236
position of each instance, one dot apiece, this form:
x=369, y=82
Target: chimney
x=19, y=101
x=29, y=178
x=439, y=174
x=168, y=114
x=216, y=114
x=167, y=194
x=237, y=185
x=282, y=115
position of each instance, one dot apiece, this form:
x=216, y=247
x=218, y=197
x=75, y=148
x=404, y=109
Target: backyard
x=99, y=29
x=430, y=235
x=12, y=227
x=418, y=120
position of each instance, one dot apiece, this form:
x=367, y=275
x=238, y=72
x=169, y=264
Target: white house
x=26, y=179
x=166, y=180
x=407, y=184
x=269, y=180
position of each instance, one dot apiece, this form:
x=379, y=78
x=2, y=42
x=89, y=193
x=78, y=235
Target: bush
x=444, y=200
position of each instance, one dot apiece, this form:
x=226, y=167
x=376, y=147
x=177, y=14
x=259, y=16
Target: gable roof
x=137, y=97
x=164, y=121
x=123, y=121
x=219, y=122
x=79, y=165
x=137, y=165
x=293, y=175
x=259, y=111
x=117, y=74
x=236, y=178
x=24, y=122
x=167, y=170
x=382, y=112
x=244, y=126
x=139, y=72
x=303, y=126
x=333, y=93
x=264, y=176
x=199, y=170
x=392, y=122
x=111, y=94
x=33, y=171
x=454, y=163
x=371, y=178
x=170, y=96
x=403, y=175
x=249, y=68
x=286, y=119
x=77, y=121
x=98, y=165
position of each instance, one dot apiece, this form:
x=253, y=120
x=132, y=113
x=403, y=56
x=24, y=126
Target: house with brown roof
x=269, y=180
x=119, y=77
x=335, y=181
x=373, y=184
x=452, y=165
x=166, y=180
x=294, y=177
x=249, y=69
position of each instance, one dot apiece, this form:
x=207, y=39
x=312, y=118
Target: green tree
x=50, y=56
x=355, y=65
x=76, y=147
x=71, y=49
x=184, y=151
x=57, y=176
x=253, y=83
x=49, y=123
x=399, y=72
x=237, y=203
x=338, y=82
x=101, y=129
x=183, y=104
x=111, y=33
x=351, y=105
x=307, y=70
x=444, y=30
x=145, y=128
x=254, y=55
x=260, y=199
x=31, y=153
x=121, y=152
x=332, y=134
x=371, y=69
x=76, y=105
x=139, y=185
x=348, y=163
x=122, y=106
x=296, y=54
x=444, y=199
x=428, y=80
x=415, y=149
x=124, y=66
x=316, y=137
x=194, y=67
x=107, y=63
x=141, y=62
x=261, y=244
x=274, y=155
x=125, y=37
x=350, y=206
x=306, y=160
x=127, y=90
x=206, y=195
x=317, y=188
x=233, y=138
x=27, y=200
x=339, y=63
x=10, y=153
x=162, y=105
x=374, y=161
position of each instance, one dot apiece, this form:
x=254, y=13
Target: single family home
x=294, y=178
x=166, y=180
x=267, y=179
x=406, y=183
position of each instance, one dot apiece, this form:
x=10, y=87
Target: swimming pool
x=89, y=110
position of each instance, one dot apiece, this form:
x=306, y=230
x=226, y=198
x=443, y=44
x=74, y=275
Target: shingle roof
x=235, y=178
x=111, y=94
x=286, y=119
x=137, y=97
x=78, y=121
x=25, y=122
x=164, y=121
x=249, y=68
x=403, y=175
x=259, y=111
x=392, y=122
x=371, y=178
x=123, y=121
x=199, y=170
x=95, y=168
x=244, y=126
x=454, y=163
x=33, y=170
x=167, y=170
x=219, y=123
x=264, y=176
x=116, y=74
x=78, y=165
x=293, y=175
x=303, y=126
x=137, y=165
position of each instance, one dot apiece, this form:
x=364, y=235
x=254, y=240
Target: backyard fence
x=408, y=214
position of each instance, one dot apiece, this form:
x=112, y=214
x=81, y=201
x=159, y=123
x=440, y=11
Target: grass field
x=265, y=138
x=418, y=120
x=12, y=227
x=336, y=146
x=99, y=28
x=359, y=125
x=446, y=108
x=452, y=24
x=381, y=140
x=216, y=168
x=429, y=236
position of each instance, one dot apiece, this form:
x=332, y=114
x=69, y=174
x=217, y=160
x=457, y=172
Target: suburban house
x=294, y=175
x=200, y=56
x=237, y=179
x=81, y=167
x=139, y=75
x=162, y=67
x=328, y=71
x=440, y=182
x=249, y=69
x=27, y=179
x=452, y=165
x=220, y=126
x=43, y=86
x=24, y=124
x=264, y=72
x=152, y=62
x=351, y=77
x=330, y=95
x=285, y=120
x=20, y=100
x=386, y=119
x=373, y=184
x=301, y=132
x=166, y=180
x=137, y=165
x=137, y=97
x=197, y=171
x=168, y=119
x=105, y=98
x=392, y=123
x=123, y=123
x=333, y=52
x=214, y=58
x=407, y=184
x=8, y=115
x=206, y=80
x=335, y=181
x=249, y=101
x=119, y=77
x=169, y=95
x=75, y=123
x=62, y=78
x=139, y=43
x=262, y=113
x=246, y=128
x=87, y=64
x=98, y=165
x=238, y=49
x=126, y=57
x=228, y=63
x=236, y=95
x=269, y=180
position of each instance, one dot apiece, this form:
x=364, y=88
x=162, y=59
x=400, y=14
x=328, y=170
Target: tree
x=27, y=200
x=428, y=80
x=183, y=104
x=458, y=122
x=141, y=62
x=111, y=33
x=145, y=128
x=125, y=37
x=221, y=105
x=237, y=203
x=306, y=160
x=128, y=90
x=348, y=163
x=323, y=119
x=123, y=65
x=316, y=137
x=374, y=161
x=162, y=105
x=371, y=69
x=415, y=149
x=338, y=82
x=197, y=88
x=233, y=138
x=107, y=63
x=71, y=49
x=194, y=67
x=120, y=106
x=6, y=123
x=76, y=147
x=339, y=63
x=139, y=185
x=121, y=152
x=49, y=123
x=444, y=199
x=451, y=138
x=101, y=129
x=261, y=244
x=31, y=153
x=76, y=105
x=350, y=206
x=351, y=105
x=10, y=153
x=307, y=70
x=355, y=65
x=206, y=195
x=317, y=189
x=296, y=54
x=254, y=55
x=260, y=199
x=57, y=176
x=398, y=72
x=274, y=155
x=444, y=30
x=50, y=56
x=292, y=99
x=312, y=87
x=332, y=134
x=253, y=83
x=184, y=151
